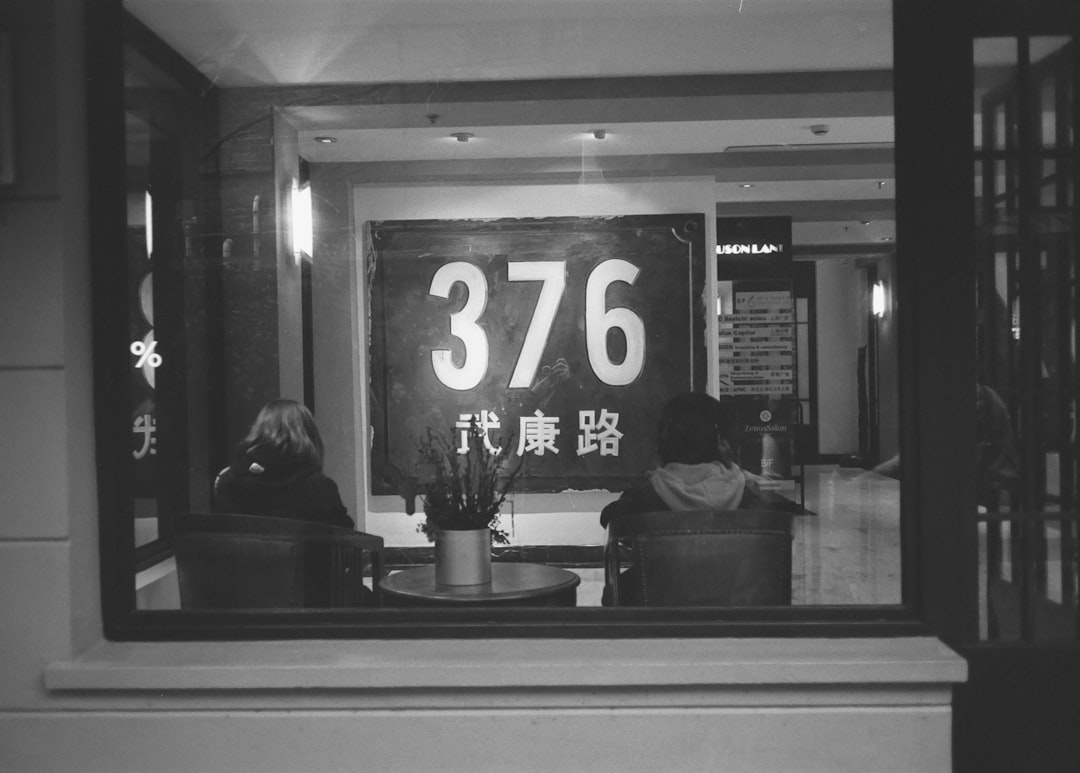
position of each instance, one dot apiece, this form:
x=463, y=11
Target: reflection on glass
x=359, y=328
x=1026, y=452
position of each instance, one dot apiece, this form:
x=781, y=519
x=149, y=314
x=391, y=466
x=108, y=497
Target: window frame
x=928, y=538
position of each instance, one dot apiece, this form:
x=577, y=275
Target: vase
x=463, y=557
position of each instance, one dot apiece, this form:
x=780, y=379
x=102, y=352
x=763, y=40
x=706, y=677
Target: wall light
x=301, y=222
x=148, y=214
x=877, y=299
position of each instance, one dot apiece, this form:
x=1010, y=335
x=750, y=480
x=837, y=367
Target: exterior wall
x=69, y=701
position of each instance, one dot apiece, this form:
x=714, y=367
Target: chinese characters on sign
x=537, y=433
x=145, y=428
x=564, y=334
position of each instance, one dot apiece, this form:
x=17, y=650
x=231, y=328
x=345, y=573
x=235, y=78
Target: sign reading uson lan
x=566, y=334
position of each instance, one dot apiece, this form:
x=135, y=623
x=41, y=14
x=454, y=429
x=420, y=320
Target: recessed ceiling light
x=599, y=134
x=324, y=140
x=462, y=136
x=864, y=222
x=886, y=238
x=746, y=185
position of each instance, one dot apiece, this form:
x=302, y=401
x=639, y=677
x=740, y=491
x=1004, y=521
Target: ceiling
x=786, y=104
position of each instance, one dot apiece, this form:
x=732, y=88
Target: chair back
x=228, y=561
x=700, y=558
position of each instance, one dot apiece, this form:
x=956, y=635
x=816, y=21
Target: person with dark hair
x=697, y=471
x=277, y=470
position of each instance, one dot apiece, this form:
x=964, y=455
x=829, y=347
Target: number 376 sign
x=563, y=337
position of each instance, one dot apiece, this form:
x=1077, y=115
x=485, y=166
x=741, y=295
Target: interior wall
x=335, y=318
x=537, y=519
x=888, y=366
x=841, y=331
x=249, y=248
x=289, y=325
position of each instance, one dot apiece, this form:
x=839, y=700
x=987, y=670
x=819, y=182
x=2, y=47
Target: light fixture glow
x=877, y=299
x=148, y=215
x=746, y=185
x=325, y=140
x=599, y=134
x=302, y=229
x=462, y=136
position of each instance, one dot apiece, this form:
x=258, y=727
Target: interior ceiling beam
x=832, y=164
x=813, y=211
x=625, y=100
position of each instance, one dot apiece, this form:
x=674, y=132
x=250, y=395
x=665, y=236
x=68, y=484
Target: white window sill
x=512, y=664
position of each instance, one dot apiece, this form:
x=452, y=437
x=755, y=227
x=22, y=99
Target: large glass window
x=433, y=222
x=1027, y=304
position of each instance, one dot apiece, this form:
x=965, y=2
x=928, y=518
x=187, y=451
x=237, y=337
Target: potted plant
x=462, y=502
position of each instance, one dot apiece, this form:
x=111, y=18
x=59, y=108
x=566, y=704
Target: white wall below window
x=557, y=705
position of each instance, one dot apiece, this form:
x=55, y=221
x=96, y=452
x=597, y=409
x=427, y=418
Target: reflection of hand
x=551, y=376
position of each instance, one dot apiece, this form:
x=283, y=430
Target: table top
x=509, y=581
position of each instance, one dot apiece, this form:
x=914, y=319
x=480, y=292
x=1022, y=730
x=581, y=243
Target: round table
x=512, y=584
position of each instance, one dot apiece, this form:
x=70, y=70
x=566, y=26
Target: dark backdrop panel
x=408, y=323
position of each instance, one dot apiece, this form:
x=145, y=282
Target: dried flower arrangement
x=468, y=488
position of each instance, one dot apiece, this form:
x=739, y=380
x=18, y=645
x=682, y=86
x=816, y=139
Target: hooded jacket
x=260, y=483
x=676, y=486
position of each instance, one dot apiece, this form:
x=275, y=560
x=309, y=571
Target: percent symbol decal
x=146, y=354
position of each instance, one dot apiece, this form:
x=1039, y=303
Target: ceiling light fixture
x=880, y=184
x=599, y=134
x=746, y=185
x=462, y=136
x=325, y=140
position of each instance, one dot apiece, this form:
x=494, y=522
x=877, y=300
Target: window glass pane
x=161, y=253
x=475, y=233
x=1027, y=308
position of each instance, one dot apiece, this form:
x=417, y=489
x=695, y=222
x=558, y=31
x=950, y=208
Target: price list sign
x=757, y=344
x=560, y=337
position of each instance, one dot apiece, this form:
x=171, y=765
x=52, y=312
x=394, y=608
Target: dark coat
x=258, y=484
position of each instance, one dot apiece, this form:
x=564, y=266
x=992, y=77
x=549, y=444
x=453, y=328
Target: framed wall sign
x=562, y=336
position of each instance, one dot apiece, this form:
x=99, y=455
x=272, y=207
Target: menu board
x=757, y=342
x=757, y=356
x=563, y=337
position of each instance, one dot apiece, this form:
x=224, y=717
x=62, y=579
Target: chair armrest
x=361, y=539
x=372, y=543
x=611, y=567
